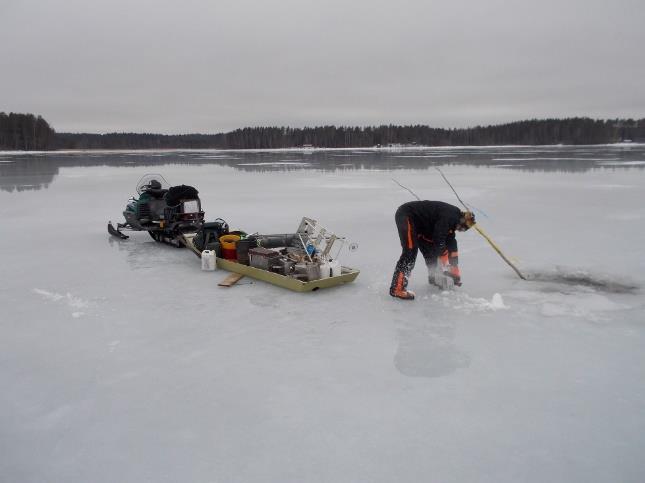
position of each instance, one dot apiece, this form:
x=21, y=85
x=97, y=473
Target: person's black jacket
x=433, y=220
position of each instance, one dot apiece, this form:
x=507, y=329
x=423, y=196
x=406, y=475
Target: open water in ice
x=123, y=361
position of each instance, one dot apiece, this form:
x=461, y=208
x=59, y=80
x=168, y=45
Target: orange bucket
x=229, y=246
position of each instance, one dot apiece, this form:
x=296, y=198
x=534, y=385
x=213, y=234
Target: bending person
x=428, y=226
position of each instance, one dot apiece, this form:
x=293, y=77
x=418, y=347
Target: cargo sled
x=304, y=261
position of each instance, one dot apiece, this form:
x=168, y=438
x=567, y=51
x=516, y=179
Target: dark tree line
x=25, y=132
x=28, y=132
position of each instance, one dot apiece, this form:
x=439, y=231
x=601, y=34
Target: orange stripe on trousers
x=410, y=243
x=399, y=282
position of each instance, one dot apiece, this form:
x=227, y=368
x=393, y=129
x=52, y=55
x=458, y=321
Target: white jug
x=208, y=260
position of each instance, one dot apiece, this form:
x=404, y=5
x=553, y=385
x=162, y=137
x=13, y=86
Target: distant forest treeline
x=25, y=132
x=28, y=132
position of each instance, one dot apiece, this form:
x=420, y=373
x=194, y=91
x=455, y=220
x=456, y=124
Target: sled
x=347, y=274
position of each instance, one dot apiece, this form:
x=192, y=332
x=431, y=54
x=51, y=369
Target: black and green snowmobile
x=166, y=212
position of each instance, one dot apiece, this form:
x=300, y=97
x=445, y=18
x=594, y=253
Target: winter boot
x=398, y=288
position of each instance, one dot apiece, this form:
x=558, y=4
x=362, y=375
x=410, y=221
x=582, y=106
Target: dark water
x=598, y=282
x=29, y=171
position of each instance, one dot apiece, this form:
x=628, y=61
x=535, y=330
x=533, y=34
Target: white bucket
x=335, y=268
x=208, y=260
x=325, y=270
x=313, y=271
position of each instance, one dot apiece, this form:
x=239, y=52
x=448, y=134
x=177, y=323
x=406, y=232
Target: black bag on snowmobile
x=176, y=194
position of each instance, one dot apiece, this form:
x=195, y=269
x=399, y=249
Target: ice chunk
x=497, y=302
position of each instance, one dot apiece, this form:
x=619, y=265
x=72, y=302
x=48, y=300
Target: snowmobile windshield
x=152, y=181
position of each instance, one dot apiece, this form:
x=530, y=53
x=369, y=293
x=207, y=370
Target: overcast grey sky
x=212, y=65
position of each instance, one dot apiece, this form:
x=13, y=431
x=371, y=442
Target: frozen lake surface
x=123, y=361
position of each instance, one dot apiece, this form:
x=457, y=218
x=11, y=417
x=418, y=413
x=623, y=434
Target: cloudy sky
x=212, y=65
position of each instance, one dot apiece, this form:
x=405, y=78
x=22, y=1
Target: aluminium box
x=262, y=258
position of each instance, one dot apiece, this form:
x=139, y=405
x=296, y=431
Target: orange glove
x=443, y=262
x=454, y=273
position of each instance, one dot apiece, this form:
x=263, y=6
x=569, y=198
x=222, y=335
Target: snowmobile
x=166, y=212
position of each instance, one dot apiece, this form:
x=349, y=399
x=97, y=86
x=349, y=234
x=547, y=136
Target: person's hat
x=469, y=218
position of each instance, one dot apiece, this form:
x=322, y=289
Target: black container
x=207, y=237
x=217, y=247
x=277, y=241
x=242, y=249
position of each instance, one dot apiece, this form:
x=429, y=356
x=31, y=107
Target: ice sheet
x=123, y=361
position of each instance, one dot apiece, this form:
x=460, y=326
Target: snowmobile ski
x=115, y=232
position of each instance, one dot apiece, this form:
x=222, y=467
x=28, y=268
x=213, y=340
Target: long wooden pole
x=498, y=250
x=481, y=232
